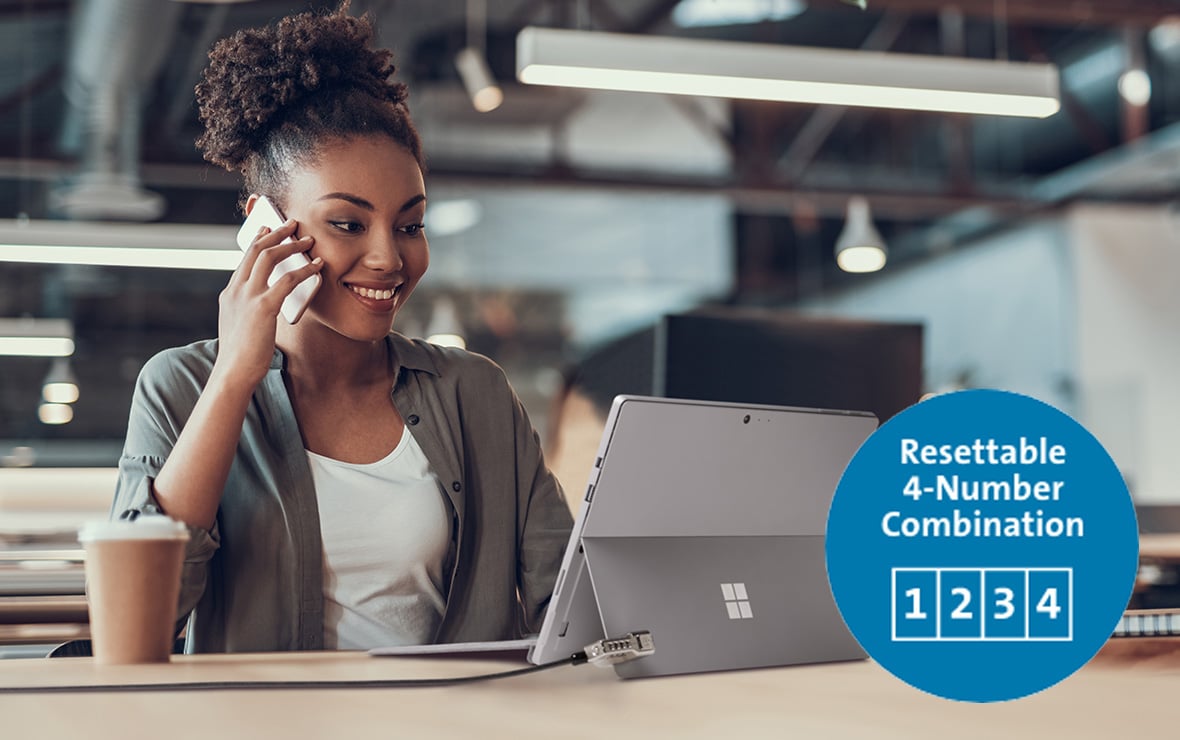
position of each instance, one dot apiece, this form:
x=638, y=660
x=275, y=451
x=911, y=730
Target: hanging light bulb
x=1135, y=87
x=486, y=95
x=860, y=247
x=60, y=385
x=472, y=61
x=55, y=413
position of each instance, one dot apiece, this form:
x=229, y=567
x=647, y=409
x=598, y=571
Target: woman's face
x=363, y=202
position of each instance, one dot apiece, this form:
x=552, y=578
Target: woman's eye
x=413, y=229
x=348, y=227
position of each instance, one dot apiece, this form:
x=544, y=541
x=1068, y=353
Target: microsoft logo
x=737, y=603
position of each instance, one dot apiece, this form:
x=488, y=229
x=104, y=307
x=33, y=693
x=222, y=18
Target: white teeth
x=380, y=295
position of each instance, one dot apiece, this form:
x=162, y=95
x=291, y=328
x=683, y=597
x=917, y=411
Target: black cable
x=575, y=659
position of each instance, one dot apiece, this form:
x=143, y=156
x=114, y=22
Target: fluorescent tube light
x=178, y=246
x=692, y=13
x=726, y=69
x=122, y=256
x=36, y=337
x=36, y=346
x=64, y=254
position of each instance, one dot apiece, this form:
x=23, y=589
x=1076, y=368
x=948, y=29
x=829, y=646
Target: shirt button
x=413, y=420
x=456, y=487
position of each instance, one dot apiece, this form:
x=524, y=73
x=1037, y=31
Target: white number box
x=982, y=604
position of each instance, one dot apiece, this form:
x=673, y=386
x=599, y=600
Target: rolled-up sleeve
x=544, y=522
x=165, y=393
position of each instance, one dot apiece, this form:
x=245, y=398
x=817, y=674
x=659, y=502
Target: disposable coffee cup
x=132, y=587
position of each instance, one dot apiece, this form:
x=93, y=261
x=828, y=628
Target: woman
x=344, y=486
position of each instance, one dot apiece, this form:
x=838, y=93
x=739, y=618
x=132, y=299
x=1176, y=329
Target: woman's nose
x=384, y=254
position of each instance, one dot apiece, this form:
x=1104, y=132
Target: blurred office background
x=573, y=232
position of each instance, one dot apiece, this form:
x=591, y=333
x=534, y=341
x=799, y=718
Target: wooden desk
x=1114, y=696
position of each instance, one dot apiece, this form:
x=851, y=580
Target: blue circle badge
x=981, y=546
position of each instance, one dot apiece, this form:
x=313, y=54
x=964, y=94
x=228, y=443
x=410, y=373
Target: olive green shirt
x=254, y=582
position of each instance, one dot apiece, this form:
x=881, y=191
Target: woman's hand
x=249, y=307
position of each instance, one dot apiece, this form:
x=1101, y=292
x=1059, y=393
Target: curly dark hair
x=272, y=97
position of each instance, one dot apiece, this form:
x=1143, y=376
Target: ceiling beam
x=1084, y=122
x=1051, y=12
x=793, y=163
x=43, y=7
x=653, y=16
x=747, y=198
x=773, y=198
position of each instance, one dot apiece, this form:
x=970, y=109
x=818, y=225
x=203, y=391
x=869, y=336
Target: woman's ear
x=250, y=202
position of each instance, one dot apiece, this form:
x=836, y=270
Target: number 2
x=960, y=611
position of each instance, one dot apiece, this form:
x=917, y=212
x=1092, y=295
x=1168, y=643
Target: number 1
x=915, y=596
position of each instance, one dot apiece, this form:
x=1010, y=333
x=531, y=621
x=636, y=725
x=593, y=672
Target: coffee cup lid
x=148, y=527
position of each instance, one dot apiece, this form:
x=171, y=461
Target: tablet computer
x=703, y=523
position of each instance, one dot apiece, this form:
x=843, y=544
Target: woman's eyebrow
x=354, y=199
x=362, y=203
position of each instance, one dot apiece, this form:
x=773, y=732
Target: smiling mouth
x=374, y=294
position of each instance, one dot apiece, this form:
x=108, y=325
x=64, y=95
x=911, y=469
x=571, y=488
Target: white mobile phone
x=264, y=213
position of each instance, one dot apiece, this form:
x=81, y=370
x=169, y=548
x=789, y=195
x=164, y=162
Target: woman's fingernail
x=318, y=261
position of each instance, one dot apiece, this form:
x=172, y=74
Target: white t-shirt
x=386, y=534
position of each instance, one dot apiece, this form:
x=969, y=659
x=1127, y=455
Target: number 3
x=1004, y=598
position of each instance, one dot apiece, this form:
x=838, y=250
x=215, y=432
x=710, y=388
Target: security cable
x=603, y=653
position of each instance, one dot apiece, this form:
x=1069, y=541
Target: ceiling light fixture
x=1135, y=87
x=36, y=337
x=727, y=69
x=178, y=246
x=450, y=217
x=486, y=95
x=472, y=61
x=66, y=254
x=860, y=247
x=55, y=413
x=693, y=13
x=60, y=385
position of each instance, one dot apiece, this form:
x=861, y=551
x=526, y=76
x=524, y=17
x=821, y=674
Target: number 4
x=1048, y=603
x=913, y=488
